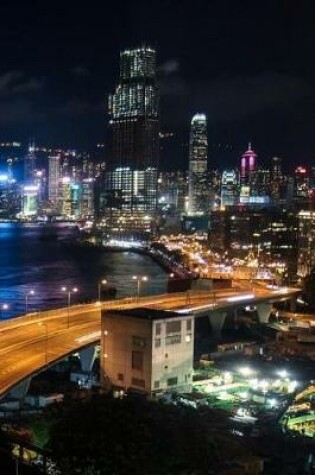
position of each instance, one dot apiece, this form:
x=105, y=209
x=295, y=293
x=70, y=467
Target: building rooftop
x=145, y=313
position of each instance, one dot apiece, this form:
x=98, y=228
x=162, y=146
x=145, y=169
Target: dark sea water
x=28, y=263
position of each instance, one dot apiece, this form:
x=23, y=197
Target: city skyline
x=256, y=88
x=157, y=237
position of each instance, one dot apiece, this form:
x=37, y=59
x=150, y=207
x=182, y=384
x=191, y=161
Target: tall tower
x=276, y=179
x=248, y=165
x=130, y=185
x=29, y=164
x=54, y=177
x=197, y=181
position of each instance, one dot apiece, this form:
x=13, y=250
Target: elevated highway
x=30, y=343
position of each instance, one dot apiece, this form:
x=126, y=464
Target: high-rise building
x=29, y=200
x=87, y=198
x=276, y=180
x=270, y=235
x=54, y=177
x=29, y=164
x=10, y=197
x=198, y=180
x=130, y=184
x=71, y=198
x=306, y=244
x=248, y=166
x=302, y=188
x=229, y=185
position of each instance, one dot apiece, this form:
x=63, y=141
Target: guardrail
x=110, y=304
x=182, y=298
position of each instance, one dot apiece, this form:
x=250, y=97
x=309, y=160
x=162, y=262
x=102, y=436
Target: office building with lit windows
x=10, y=197
x=130, y=179
x=198, y=201
x=147, y=350
x=29, y=165
x=29, y=201
x=54, y=181
x=229, y=188
x=306, y=243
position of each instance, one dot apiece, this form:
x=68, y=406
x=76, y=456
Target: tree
x=135, y=435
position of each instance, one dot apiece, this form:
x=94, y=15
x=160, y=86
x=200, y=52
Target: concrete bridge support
x=87, y=357
x=264, y=311
x=217, y=319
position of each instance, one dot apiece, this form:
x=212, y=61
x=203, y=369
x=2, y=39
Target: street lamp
x=42, y=324
x=69, y=291
x=3, y=308
x=139, y=279
x=27, y=295
x=102, y=282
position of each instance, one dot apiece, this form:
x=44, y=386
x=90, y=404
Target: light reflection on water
x=28, y=263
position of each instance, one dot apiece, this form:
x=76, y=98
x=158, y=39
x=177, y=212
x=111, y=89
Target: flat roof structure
x=145, y=313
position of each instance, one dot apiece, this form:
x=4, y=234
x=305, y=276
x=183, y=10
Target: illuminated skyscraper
x=276, y=179
x=248, y=166
x=29, y=164
x=130, y=185
x=198, y=151
x=306, y=244
x=55, y=175
x=229, y=184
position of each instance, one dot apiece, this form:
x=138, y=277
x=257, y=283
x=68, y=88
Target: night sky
x=249, y=65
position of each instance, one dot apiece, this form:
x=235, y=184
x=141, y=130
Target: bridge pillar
x=87, y=357
x=264, y=311
x=217, y=319
x=20, y=390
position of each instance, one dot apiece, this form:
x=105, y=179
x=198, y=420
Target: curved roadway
x=30, y=343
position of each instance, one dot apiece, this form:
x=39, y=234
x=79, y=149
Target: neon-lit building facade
x=248, y=165
x=198, y=154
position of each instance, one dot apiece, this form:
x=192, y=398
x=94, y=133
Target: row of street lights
x=69, y=291
x=30, y=293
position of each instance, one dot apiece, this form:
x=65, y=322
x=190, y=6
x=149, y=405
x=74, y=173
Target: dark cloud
x=243, y=96
x=81, y=71
x=169, y=67
x=239, y=97
x=18, y=93
x=16, y=82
